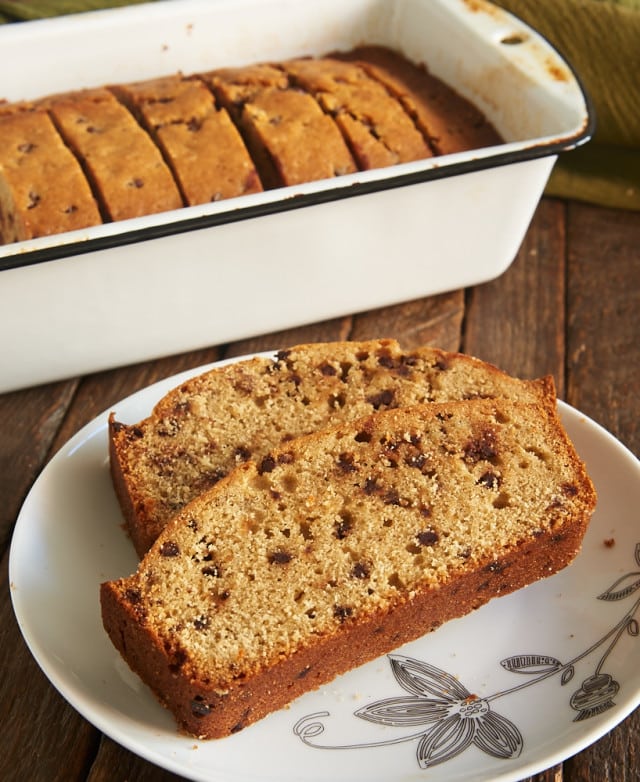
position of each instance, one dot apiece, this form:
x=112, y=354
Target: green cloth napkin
x=599, y=38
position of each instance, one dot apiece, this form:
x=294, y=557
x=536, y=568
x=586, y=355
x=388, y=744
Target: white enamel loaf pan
x=163, y=284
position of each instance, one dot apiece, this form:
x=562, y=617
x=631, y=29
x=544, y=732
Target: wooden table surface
x=569, y=305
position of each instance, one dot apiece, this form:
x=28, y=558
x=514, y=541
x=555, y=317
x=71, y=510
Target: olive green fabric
x=599, y=38
x=27, y=10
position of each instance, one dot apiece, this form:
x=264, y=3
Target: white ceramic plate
x=513, y=688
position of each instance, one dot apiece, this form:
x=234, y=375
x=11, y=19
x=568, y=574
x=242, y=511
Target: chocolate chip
x=345, y=463
x=267, y=465
x=242, y=453
x=133, y=596
x=489, y=479
x=399, y=365
x=386, y=360
x=283, y=355
x=199, y=708
x=241, y=723
x=363, y=437
x=428, y=537
x=417, y=460
x=360, y=570
x=328, y=370
x=279, y=557
x=481, y=448
x=213, y=571
x=201, y=622
x=370, y=486
x=391, y=497
x=383, y=399
x=34, y=200
x=343, y=527
x=169, y=549
x=441, y=363
x=342, y=612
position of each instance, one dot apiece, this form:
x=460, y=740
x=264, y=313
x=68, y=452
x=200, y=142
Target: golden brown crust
x=203, y=712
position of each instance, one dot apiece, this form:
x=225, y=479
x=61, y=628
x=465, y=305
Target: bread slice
x=199, y=142
x=126, y=169
x=290, y=138
x=342, y=545
x=201, y=430
x=378, y=130
x=42, y=188
x=447, y=120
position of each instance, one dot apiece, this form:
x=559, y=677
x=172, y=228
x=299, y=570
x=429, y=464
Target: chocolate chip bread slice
x=448, y=121
x=339, y=546
x=378, y=130
x=199, y=141
x=42, y=188
x=126, y=169
x=201, y=430
x=290, y=138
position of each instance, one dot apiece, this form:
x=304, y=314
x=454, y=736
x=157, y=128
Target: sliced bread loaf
x=207, y=426
x=339, y=546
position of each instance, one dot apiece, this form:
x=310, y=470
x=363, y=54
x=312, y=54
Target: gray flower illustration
x=456, y=718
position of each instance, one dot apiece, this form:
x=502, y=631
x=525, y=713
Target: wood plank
x=326, y=331
x=30, y=420
x=115, y=764
x=436, y=320
x=518, y=320
x=604, y=326
x=38, y=727
x=615, y=758
x=433, y=321
x=604, y=382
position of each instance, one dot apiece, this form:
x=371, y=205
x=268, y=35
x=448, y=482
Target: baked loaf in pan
x=203, y=429
x=338, y=547
x=182, y=140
